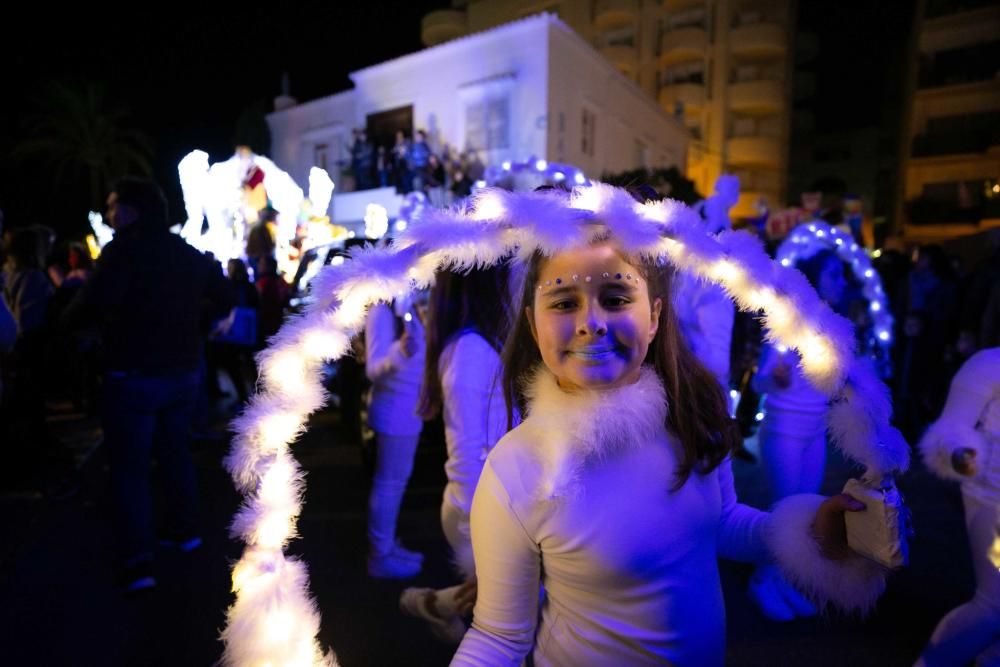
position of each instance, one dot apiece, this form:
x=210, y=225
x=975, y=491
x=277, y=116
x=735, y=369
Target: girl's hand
x=829, y=529
x=408, y=344
x=465, y=597
x=963, y=460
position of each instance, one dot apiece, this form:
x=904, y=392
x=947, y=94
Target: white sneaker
x=799, y=605
x=449, y=629
x=407, y=554
x=767, y=599
x=392, y=566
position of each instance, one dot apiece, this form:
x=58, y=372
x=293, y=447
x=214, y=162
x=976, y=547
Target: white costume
x=392, y=414
x=971, y=419
x=578, y=498
x=475, y=418
x=793, y=434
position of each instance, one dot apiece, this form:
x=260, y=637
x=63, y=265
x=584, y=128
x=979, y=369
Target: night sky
x=186, y=77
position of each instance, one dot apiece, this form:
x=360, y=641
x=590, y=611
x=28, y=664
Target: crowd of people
x=412, y=165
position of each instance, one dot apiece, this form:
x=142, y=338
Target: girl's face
x=592, y=333
x=832, y=282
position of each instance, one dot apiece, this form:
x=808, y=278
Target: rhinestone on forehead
x=576, y=278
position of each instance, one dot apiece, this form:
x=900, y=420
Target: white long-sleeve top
x=396, y=379
x=788, y=408
x=971, y=418
x=475, y=417
x=629, y=566
x=706, y=318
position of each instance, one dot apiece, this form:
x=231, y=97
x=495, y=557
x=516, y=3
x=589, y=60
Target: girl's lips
x=595, y=353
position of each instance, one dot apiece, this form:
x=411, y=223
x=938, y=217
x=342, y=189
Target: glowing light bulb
x=541, y=165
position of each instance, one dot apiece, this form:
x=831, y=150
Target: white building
x=531, y=88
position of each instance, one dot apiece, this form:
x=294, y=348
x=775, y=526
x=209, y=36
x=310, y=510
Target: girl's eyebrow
x=559, y=291
x=568, y=289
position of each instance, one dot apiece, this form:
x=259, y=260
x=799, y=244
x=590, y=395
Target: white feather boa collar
x=589, y=425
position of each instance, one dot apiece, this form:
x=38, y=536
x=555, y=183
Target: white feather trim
x=858, y=424
x=851, y=585
x=945, y=436
x=585, y=425
x=490, y=228
x=273, y=621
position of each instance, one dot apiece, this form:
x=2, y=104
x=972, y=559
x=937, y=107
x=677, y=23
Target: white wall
x=440, y=82
x=579, y=77
x=547, y=73
x=296, y=132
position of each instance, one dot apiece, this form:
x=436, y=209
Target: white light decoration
x=320, y=191
x=273, y=619
x=551, y=172
x=102, y=232
x=376, y=221
x=809, y=238
x=214, y=193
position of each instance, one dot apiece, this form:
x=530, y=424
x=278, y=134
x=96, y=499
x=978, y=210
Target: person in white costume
x=616, y=493
x=394, y=362
x=468, y=320
x=704, y=312
x=792, y=436
x=964, y=445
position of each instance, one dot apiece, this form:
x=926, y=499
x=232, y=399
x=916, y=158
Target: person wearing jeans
x=151, y=292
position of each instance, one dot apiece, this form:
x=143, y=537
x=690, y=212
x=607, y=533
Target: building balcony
x=753, y=152
x=611, y=14
x=441, y=26
x=757, y=98
x=758, y=40
x=682, y=45
x=621, y=56
x=691, y=95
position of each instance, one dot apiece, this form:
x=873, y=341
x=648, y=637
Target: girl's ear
x=530, y=314
x=654, y=314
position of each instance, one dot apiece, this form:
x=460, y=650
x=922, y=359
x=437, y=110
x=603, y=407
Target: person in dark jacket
x=149, y=291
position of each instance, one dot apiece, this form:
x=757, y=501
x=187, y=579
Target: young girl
x=615, y=493
x=964, y=445
x=394, y=363
x=468, y=321
x=793, y=435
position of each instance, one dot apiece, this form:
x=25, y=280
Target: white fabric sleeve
x=508, y=566
x=742, y=528
x=469, y=381
x=383, y=355
x=715, y=319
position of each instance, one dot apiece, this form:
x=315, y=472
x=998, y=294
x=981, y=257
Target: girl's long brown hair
x=697, y=412
x=474, y=301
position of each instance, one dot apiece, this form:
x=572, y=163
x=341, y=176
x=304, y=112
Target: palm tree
x=74, y=134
